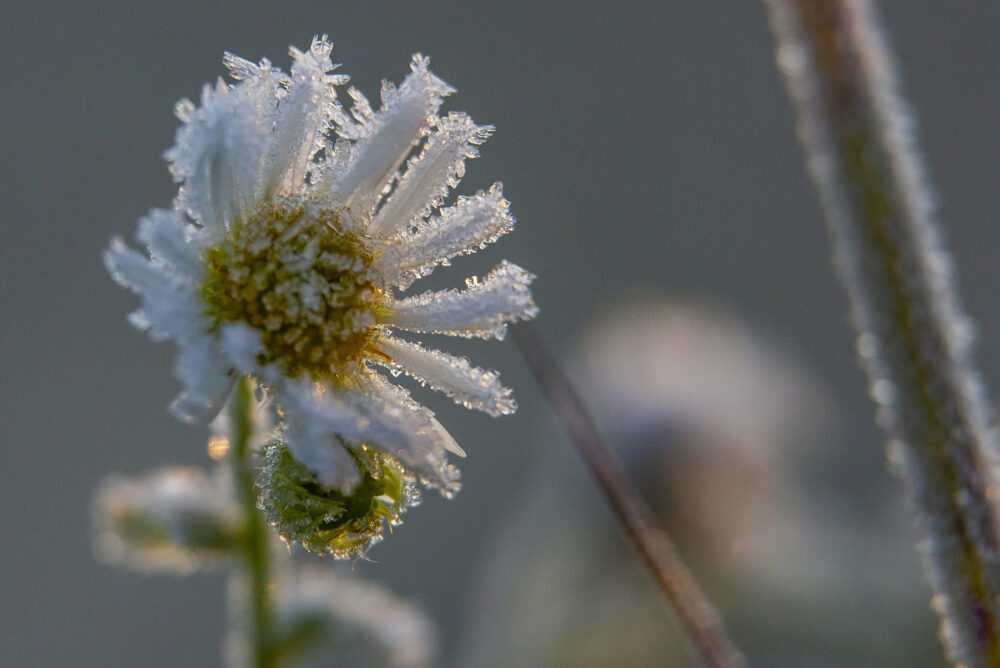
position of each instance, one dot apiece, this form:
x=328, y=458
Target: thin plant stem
x=698, y=616
x=255, y=546
x=857, y=132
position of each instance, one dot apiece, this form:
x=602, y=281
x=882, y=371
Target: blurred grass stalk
x=914, y=340
x=699, y=618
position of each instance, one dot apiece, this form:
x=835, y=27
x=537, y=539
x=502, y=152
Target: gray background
x=645, y=150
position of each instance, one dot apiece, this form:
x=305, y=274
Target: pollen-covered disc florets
x=293, y=274
x=295, y=224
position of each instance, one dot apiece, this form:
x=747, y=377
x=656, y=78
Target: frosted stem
x=254, y=548
x=856, y=130
x=698, y=616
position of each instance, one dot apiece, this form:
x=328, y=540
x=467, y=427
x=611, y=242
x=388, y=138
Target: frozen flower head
x=294, y=225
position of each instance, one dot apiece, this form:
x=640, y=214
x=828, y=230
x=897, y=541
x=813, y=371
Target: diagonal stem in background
x=857, y=132
x=699, y=617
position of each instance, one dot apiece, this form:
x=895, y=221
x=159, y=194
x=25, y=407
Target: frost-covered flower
x=293, y=228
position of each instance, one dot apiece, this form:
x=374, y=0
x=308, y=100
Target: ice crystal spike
x=293, y=226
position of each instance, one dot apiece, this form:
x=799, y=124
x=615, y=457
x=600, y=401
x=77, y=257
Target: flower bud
x=326, y=520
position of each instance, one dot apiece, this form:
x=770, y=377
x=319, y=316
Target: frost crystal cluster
x=295, y=225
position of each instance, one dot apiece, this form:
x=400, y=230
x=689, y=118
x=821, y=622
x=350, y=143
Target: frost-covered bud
x=330, y=521
x=174, y=520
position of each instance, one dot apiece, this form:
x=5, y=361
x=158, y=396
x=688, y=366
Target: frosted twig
x=857, y=132
x=698, y=616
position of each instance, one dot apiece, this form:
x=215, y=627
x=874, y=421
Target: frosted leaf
x=304, y=113
x=431, y=174
x=349, y=608
x=481, y=310
x=471, y=224
x=467, y=385
x=174, y=520
x=171, y=241
x=217, y=157
x=389, y=136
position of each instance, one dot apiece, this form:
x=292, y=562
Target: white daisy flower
x=293, y=228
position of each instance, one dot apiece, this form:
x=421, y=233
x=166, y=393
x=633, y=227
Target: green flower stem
x=255, y=545
x=857, y=132
x=699, y=618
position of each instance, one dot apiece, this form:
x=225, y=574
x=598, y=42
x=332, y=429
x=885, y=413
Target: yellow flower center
x=295, y=276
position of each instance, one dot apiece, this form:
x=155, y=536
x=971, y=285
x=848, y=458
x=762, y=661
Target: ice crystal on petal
x=483, y=309
x=431, y=174
x=293, y=225
x=468, y=385
x=384, y=141
x=464, y=228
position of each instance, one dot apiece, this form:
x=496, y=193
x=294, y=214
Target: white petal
x=170, y=307
x=217, y=155
x=261, y=84
x=468, y=385
x=207, y=377
x=308, y=434
x=424, y=451
x=132, y=270
x=304, y=113
x=175, y=312
x=377, y=416
x=464, y=228
x=172, y=242
x=483, y=309
x=431, y=174
x=242, y=345
x=385, y=140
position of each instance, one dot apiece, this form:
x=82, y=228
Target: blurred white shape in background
x=716, y=427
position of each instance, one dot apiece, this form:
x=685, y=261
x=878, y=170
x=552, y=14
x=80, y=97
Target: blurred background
x=649, y=154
